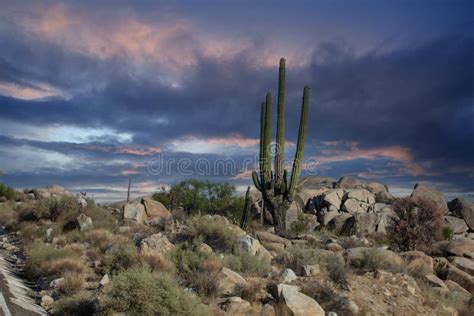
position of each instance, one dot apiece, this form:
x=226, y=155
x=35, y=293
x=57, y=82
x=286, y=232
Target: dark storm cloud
x=413, y=99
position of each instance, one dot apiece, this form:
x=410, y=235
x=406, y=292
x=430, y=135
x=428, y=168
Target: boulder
x=362, y=224
x=155, y=209
x=380, y=192
x=292, y=214
x=430, y=193
x=47, y=301
x=157, y=243
x=288, y=276
x=434, y=281
x=315, y=183
x=85, y=222
x=354, y=206
x=290, y=301
x=326, y=218
x=355, y=255
x=455, y=287
x=334, y=247
x=333, y=197
x=253, y=247
x=135, y=212
x=465, y=264
x=338, y=223
x=458, y=225
x=462, y=278
x=348, y=182
x=229, y=283
x=461, y=247
x=464, y=209
x=381, y=207
x=360, y=195
x=269, y=238
x=105, y=280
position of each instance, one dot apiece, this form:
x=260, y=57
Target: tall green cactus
x=277, y=193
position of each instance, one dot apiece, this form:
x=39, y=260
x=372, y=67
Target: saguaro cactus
x=277, y=193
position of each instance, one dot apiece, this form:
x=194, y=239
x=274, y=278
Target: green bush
x=7, y=192
x=77, y=305
x=213, y=231
x=188, y=258
x=138, y=291
x=120, y=257
x=448, y=233
x=205, y=197
x=53, y=207
x=246, y=263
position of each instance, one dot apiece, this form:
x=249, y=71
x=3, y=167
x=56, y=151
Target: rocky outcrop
x=272, y=241
x=457, y=224
x=229, y=283
x=431, y=194
x=290, y=301
x=460, y=247
x=85, y=222
x=362, y=224
x=463, y=209
x=135, y=212
x=288, y=276
x=253, y=247
x=157, y=243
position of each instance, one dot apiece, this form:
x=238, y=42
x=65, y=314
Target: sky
x=92, y=94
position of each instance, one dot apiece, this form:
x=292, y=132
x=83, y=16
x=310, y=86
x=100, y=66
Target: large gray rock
x=155, y=209
x=288, y=276
x=333, y=198
x=360, y=195
x=434, y=281
x=253, y=247
x=85, y=222
x=461, y=247
x=339, y=222
x=292, y=214
x=465, y=264
x=464, y=209
x=290, y=301
x=431, y=194
x=229, y=283
x=315, y=182
x=362, y=224
x=135, y=212
x=348, y=182
x=268, y=239
x=328, y=217
x=157, y=243
x=458, y=225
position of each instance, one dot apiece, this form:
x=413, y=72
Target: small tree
x=417, y=225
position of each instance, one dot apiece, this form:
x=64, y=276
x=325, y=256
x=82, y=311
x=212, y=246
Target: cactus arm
x=280, y=134
x=267, y=163
x=285, y=182
x=262, y=136
x=295, y=174
x=256, y=181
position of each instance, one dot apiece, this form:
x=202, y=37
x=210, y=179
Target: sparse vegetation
x=248, y=264
x=213, y=232
x=417, y=225
x=7, y=192
x=120, y=257
x=72, y=283
x=448, y=233
x=141, y=292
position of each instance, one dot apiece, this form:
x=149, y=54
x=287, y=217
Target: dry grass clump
x=157, y=262
x=337, y=271
x=31, y=231
x=101, y=217
x=120, y=257
x=253, y=289
x=39, y=253
x=138, y=291
x=100, y=238
x=296, y=257
x=59, y=266
x=8, y=217
x=374, y=260
x=204, y=280
x=73, y=282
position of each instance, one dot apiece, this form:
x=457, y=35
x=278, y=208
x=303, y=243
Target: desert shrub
x=73, y=282
x=120, y=257
x=101, y=217
x=188, y=258
x=31, y=231
x=156, y=262
x=351, y=242
x=78, y=305
x=373, y=260
x=204, y=279
x=8, y=217
x=417, y=225
x=213, y=232
x=296, y=257
x=252, y=290
x=139, y=291
x=179, y=215
x=100, y=238
x=7, y=192
x=246, y=263
x=448, y=233
x=53, y=207
x=300, y=226
x=38, y=253
x=337, y=270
